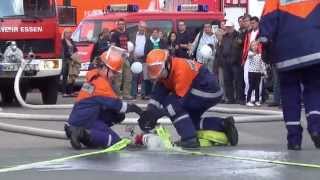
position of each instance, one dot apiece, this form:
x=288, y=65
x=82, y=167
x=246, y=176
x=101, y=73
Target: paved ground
x=257, y=140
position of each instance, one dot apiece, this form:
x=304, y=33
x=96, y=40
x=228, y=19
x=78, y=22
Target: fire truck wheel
x=50, y=92
x=23, y=93
x=7, y=96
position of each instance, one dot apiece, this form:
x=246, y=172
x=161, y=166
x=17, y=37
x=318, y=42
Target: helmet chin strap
x=108, y=72
x=166, y=70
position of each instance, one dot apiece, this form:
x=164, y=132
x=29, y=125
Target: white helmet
x=206, y=51
x=130, y=46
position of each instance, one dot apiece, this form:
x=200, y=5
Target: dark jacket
x=230, y=51
x=100, y=46
x=183, y=38
x=68, y=51
x=294, y=33
x=149, y=46
x=172, y=48
x=218, y=58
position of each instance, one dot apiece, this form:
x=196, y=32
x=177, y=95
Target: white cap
x=229, y=24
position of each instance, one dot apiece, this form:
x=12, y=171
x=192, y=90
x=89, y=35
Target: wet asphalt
x=264, y=141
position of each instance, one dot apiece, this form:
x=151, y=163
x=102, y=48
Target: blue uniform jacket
x=293, y=28
x=204, y=86
x=97, y=101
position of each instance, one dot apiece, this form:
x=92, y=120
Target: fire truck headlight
x=51, y=64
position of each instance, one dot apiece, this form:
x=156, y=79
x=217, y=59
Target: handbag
x=74, y=68
x=76, y=57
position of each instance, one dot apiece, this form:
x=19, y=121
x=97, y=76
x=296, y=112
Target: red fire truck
x=87, y=32
x=32, y=25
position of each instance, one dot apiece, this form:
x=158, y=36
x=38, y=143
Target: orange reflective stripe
x=270, y=6
x=300, y=8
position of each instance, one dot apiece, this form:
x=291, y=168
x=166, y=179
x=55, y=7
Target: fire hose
x=129, y=121
x=259, y=115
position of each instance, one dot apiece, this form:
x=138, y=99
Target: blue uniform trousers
x=185, y=112
x=101, y=135
x=302, y=85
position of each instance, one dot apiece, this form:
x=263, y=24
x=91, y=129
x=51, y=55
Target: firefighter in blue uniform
x=184, y=90
x=98, y=107
x=290, y=31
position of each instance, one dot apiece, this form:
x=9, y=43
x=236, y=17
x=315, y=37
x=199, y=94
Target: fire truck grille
x=3, y=46
x=37, y=45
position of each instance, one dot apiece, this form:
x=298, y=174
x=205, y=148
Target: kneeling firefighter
x=97, y=107
x=184, y=90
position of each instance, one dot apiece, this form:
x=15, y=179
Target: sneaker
x=257, y=103
x=250, y=104
x=294, y=147
x=231, y=131
x=316, y=140
x=189, y=143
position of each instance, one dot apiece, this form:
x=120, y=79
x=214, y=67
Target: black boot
x=189, y=143
x=295, y=147
x=316, y=140
x=67, y=130
x=77, y=135
x=231, y=131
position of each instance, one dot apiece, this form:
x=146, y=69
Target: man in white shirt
x=206, y=37
x=139, y=41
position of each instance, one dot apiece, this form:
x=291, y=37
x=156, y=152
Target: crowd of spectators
x=236, y=58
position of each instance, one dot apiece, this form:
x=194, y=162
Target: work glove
x=148, y=119
x=134, y=108
x=117, y=118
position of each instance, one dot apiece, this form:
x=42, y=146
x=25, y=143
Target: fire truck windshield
x=27, y=8
x=88, y=31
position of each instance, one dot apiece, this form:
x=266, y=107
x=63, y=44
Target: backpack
x=197, y=45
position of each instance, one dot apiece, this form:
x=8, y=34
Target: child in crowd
x=256, y=71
